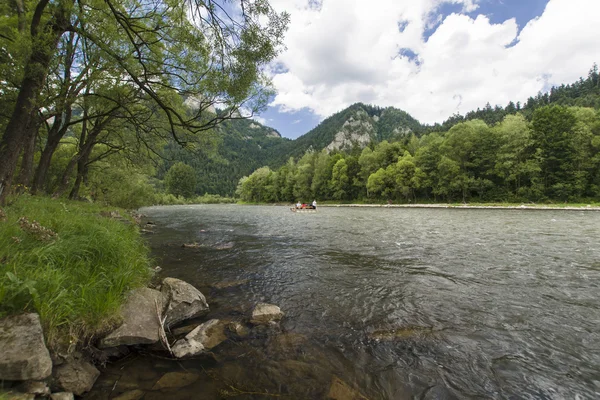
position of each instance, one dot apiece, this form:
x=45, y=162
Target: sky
x=431, y=58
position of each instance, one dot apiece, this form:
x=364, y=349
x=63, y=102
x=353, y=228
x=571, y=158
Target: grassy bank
x=73, y=266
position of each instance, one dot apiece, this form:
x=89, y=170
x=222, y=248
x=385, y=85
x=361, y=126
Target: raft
x=303, y=210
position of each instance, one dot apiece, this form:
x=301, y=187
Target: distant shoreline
x=475, y=207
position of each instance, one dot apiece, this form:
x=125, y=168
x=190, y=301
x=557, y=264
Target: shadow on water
x=382, y=304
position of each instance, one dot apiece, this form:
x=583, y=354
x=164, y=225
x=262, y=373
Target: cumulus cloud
x=345, y=51
x=259, y=119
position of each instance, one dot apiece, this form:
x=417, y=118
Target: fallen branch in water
x=161, y=329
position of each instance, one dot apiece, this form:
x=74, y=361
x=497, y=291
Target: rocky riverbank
x=150, y=320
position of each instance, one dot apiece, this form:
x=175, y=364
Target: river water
x=396, y=303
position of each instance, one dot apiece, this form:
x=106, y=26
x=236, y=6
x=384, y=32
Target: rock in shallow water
x=340, y=390
x=77, y=376
x=172, y=380
x=264, y=313
x=204, y=337
x=24, y=354
x=62, y=396
x=140, y=320
x=183, y=301
x=130, y=395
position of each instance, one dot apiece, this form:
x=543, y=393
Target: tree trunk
x=56, y=133
x=26, y=172
x=15, y=136
x=64, y=181
x=81, y=171
x=44, y=43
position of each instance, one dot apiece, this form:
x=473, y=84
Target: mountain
x=242, y=146
x=356, y=126
x=246, y=145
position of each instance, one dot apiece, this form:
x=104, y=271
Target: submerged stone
x=130, y=395
x=407, y=332
x=24, y=354
x=340, y=390
x=206, y=336
x=62, y=396
x=238, y=329
x=183, y=301
x=172, y=380
x=230, y=284
x=264, y=313
x=140, y=320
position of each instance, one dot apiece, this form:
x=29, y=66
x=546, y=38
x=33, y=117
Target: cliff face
x=358, y=130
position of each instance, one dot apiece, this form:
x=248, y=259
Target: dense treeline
x=242, y=146
x=555, y=156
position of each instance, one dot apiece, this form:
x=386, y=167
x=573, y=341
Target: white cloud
x=347, y=51
x=259, y=119
x=297, y=121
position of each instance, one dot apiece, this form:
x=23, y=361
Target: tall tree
x=193, y=48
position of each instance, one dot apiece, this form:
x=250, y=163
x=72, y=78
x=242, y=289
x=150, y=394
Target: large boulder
x=140, y=320
x=183, y=301
x=204, y=337
x=24, y=354
x=264, y=313
x=76, y=376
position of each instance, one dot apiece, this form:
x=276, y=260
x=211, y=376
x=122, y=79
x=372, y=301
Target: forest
x=546, y=150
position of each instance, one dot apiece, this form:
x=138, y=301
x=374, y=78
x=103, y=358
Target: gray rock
x=62, y=396
x=204, y=337
x=264, y=313
x=77, y=376
x=34, y=387
x=183, y=301
x=140, y=320
x=24, y=354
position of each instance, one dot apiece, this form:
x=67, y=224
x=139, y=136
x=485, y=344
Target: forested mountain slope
x=242, y=146
x=246, y=145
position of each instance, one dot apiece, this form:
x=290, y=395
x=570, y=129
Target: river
x=396, y=303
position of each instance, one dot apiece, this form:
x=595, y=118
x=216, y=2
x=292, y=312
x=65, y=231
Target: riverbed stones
x=140, y=320
x=62, y=396
x=183, y=301
x=172, y=380
x=130, y=395
x=340, y=390
x=34, y=387
x=77, y=376
x=238, y=330
x=265, y=313
x=24, y=354
x=206, y=336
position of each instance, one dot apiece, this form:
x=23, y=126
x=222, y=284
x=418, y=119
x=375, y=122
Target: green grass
x=77, y=281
